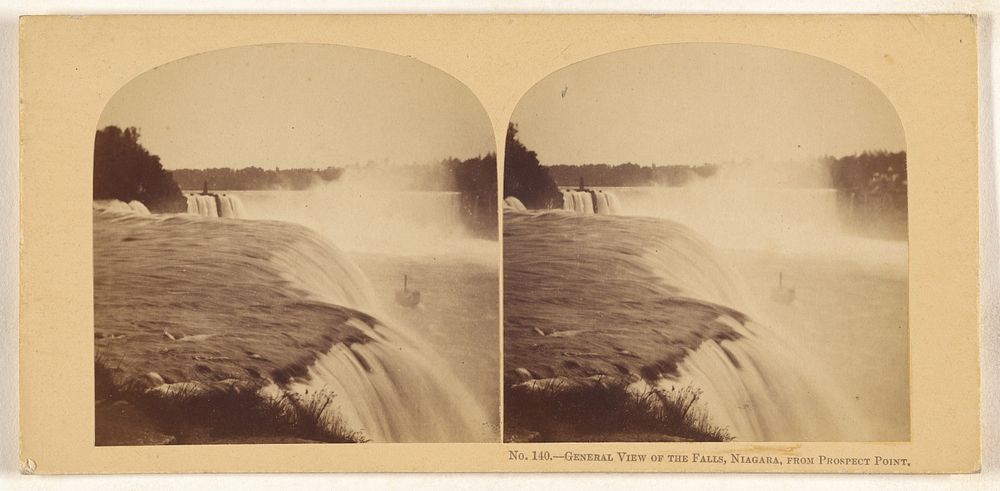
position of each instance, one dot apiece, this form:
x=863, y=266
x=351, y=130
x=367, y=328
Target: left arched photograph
x=295, y=243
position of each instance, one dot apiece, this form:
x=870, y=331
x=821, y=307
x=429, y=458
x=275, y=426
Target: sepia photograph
x=518, y=244
x=705, y=242
x=295, y=243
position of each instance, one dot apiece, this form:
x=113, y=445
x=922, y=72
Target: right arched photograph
x=705, y=242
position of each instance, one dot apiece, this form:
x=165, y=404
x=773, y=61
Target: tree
x=524, y=177
x=126, y=171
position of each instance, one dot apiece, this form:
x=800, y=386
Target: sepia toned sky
x=300, y=106
x=695, y=103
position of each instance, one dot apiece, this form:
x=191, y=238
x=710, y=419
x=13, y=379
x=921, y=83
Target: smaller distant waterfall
x=590, y=202
x=215, y=205
x=513, y=204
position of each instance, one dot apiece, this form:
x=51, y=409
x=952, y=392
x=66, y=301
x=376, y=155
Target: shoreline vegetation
x=126, y=171
x=605, y=409
x=871, y=186
x=137, y=411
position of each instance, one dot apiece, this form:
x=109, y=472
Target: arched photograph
x=705, y=242
x=295, y=243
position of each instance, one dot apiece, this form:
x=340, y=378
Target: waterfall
x=598, y=202
x=392, y=388
x=211, y=205
x=759, y=382
x=113, y=205
x=138, y=208
x=225, y=207
x=389, y=383
x=513, y=204
x=601, y=203
x=214, y=205
x=762, y=388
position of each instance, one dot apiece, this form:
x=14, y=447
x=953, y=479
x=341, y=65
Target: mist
x=378, y=210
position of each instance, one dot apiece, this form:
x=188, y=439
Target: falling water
x=390, y=384
x=514, y=204
x=613, y=278
x=210, y=205
x=114, y=205
x=600, y=202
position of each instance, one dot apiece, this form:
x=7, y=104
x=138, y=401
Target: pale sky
x=300, y=106
x=695, y=103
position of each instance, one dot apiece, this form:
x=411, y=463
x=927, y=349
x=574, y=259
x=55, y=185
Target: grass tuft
x=606, y=410
x=234, y=411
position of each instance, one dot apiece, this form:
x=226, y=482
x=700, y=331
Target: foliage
x=872, y=192
x=253, y=178
x=476, y=179
x=856, y=172
x=126, y=171
x=607, y=409
x=629, y=174
x=525, y=178
x=232, y=411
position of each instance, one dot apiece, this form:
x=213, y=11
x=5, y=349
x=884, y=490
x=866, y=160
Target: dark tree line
x=476, y=179
x=252, y=178
x=872, y=192
x=525, y=178
x=126, y=171
x=629, y=174
x=858, y=172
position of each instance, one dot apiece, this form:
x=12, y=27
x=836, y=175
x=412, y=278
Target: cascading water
x=617, y=279
x=389, y=385
x=600, y=202
x=114, y=205
x=225, y=207
x=762, y=387
x=393, y=388
x=513, y=204
x=217, y=206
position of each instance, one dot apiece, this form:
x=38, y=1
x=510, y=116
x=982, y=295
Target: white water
x=224, y=206
x=601, y=202
x=764, y=387
x=114, y=205
x=801, y=221
x=512, y=203
x=372, y=220
x=829, y=366
x=395, y=387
